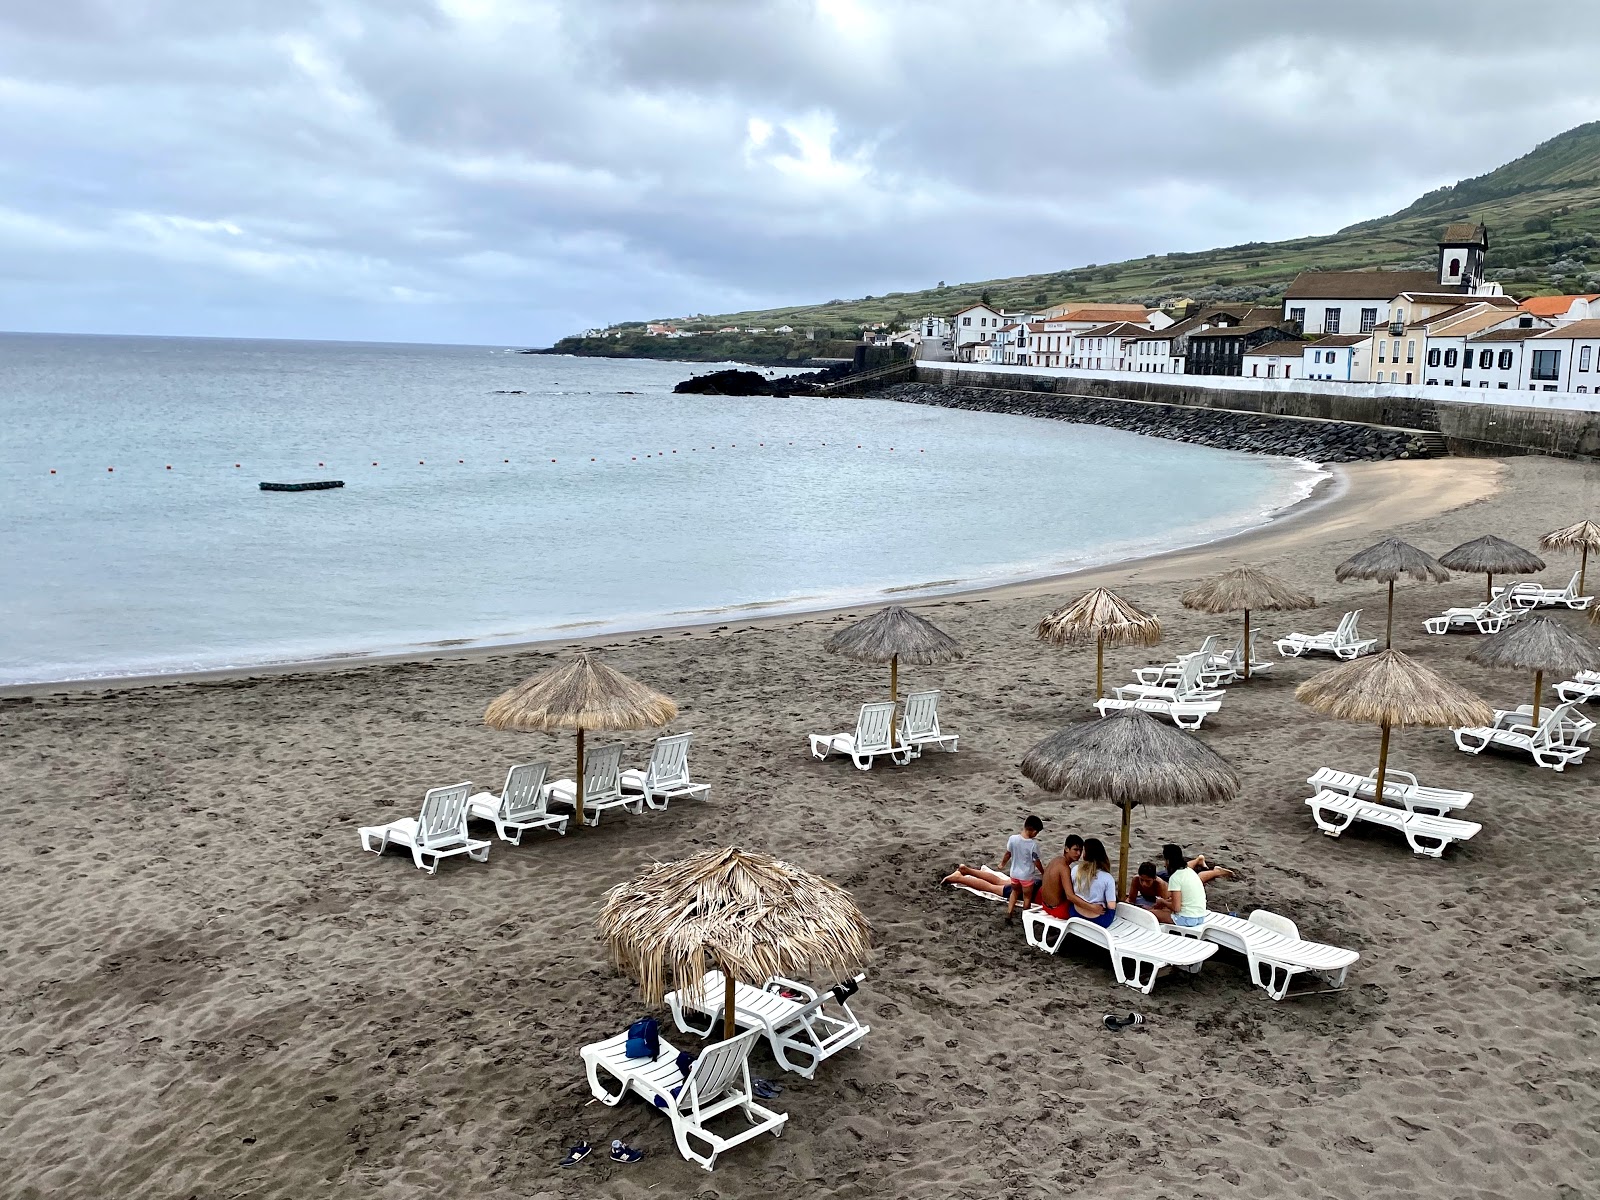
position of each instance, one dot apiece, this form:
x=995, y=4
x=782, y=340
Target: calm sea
x=496, y=497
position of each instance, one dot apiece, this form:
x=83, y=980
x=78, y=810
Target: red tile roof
x=1551, y=306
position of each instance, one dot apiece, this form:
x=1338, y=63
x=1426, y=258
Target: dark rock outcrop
x=734, y=382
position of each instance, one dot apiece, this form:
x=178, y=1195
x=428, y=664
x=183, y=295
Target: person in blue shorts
x=1185, y=901
x=1094, y=887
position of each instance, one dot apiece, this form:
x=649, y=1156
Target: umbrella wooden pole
x=729, y=1025
x=894, y=693
x=1538, y=686
x=1246, y=645
x=1488, y=587
x=1383, y=762
x=1583, y=568
x=1099, y=665
x=1388, y=629
x=1122, y=853
x=578, y=791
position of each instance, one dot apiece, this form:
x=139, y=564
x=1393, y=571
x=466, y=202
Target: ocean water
x=495, y=497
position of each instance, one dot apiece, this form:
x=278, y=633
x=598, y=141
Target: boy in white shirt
x=1021, y=863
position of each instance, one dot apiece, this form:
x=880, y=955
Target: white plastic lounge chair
x=1223, y=669
x=1585, y=685
x=1560, y=740
x=1139, y=950
x=1186, y=714
x=1274, y=950
x=1186, y=687
x=666, y=775
x=870, y=740
x=1167, y=673
x=602, y=786
x=717, y=1084
x=1344, y=642
x=802, y=1035
x=1487, y=617
x=1536, y=595
x=919, y=725
x=520, y=806
x=1426, y=833
x=438, y=832
x=1399, y=787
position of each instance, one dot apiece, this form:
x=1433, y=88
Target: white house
x=1563, y=359
x=1340, y=357
x=1274, y=360
x=1106, y=347
x=784, y=329
x=1445, y=358
x=1497, y=359
x=975, y=325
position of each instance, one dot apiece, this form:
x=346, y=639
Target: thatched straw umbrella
x=1105, y=617
x=582, y=694
x=1582, y=537
x=1491, y=556
x=1386, y=562
x=1131, y=758
x=890, y=635
x=748, y=915
x=1391, y=690
x=1245, y=588
x=1538, y=644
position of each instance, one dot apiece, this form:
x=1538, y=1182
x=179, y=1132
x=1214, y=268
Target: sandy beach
x=209, y=991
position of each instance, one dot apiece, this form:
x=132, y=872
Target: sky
x=509, y=171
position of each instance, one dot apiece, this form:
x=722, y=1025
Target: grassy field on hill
x=1542, y=210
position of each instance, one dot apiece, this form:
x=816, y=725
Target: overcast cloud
x=506, y=171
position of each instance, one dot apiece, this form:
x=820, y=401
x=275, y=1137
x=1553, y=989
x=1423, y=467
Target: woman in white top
x=1185, y=901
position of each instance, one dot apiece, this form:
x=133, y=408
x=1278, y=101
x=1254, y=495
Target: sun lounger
x=1560, y=740
x=602, y=786
x=919, y=725
x=519, y=807
x=801, y=1034
x=1487, y=617
x=666, y=775
x=1223, y=669
x=1426, y=833
x=1344, y=642
x=717, y=1084
x=1399, y=787
x=1186, y=687
x=1186, y=714
x=1139, y=950
x=1584, y=686
x=871, y=739
x=1536, y=595
x=1167, y=673
x=437, y=833
x=1274, y=950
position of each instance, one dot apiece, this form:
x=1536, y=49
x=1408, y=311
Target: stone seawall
x=1321, y=441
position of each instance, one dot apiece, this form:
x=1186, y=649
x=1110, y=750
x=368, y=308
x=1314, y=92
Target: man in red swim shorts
x=1055, y=889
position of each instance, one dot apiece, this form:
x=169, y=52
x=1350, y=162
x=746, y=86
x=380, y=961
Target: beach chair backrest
x=1272, y=921
x=669, y=761
x=1189, y=676
x=1572, y=586
x=720, y=1068
x=524, y=794
x=922, y=715
x=1550, y=731
x=873, y=726
x=444, y=815
x=1347, y=627
x=1208, y=647
x=1500, y=605
x=1132, y=914
x=602, y=772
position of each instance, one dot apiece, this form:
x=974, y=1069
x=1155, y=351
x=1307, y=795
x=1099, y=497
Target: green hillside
x=1542, y=210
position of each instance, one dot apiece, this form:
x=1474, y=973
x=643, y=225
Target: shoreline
x=1351, y=494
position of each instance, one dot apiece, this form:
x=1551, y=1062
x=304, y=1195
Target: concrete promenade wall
x=1471, y=422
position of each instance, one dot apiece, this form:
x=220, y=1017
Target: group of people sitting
x=1078, y=882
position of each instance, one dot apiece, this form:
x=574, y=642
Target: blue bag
x=644, y=1039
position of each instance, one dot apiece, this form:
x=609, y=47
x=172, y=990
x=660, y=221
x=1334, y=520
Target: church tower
x=1462, y=251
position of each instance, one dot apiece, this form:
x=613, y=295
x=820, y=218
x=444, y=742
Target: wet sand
x=210, y=991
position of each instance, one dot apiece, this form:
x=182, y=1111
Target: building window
x=1381, y=344
x=1394, y=350
x=1455, y=268
x=1504, y=386
x=1546, y=365
x=1316, y=356
x=966, y=320
x=1330, y=320
x=1449, y=358
x=1433, y=358
x=1408, y=376
x=1298, y=317
x=1505, y=361
x=1411, y=352
x=1485, y=359
x=1255, y=369
x=1369, y=319
x=1394, y=377
x=1583, y=358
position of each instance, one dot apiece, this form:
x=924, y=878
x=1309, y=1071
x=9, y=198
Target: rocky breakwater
x=1320, y=441
x=752, y=383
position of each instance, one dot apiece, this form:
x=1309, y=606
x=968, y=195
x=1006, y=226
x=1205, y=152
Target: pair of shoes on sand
x=620, y=1153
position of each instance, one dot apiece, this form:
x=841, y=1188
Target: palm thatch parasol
x=1491, y=556
x=749, y=915
x=582, y=694
x=1386, y=562
x=1245, y=588
x=1391, y=690
x=892, y=634
x=1105, y=617
x=1538, y=644
x=1131, y=758
x=1582, y=537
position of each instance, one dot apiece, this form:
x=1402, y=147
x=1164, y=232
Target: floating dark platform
x=315, y=485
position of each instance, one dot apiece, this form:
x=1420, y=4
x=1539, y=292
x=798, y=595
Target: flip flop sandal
x=1116, y=1024
x=621, y=1153
x=763, y=1089
x=577, y=1154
